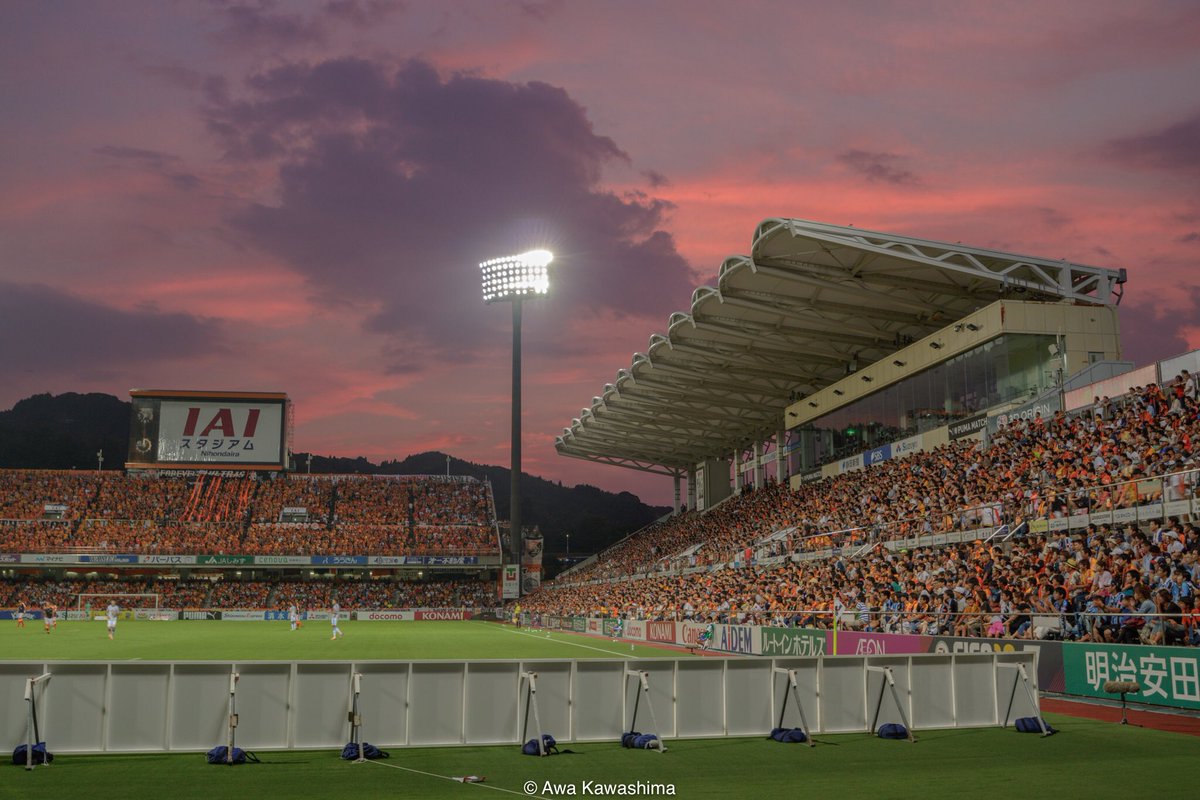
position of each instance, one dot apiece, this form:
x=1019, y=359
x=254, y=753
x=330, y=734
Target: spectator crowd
x=1133, y=451
x=48, y=511
x=203, y=593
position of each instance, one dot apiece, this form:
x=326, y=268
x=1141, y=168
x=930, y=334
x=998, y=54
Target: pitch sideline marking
x=449, y=778
x=576, y=644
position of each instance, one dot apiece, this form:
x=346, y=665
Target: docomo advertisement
x=634, y=629
x=385, y=616
x=220, y=432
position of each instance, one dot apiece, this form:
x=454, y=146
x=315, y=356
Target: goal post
x=98, y=601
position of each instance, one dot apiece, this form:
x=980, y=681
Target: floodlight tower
x=512, y=279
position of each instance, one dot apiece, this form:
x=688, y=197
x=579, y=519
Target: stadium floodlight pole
x=512, y=279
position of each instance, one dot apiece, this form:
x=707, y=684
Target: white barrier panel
x=96, y=707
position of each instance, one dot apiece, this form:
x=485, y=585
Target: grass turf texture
x=274, y=641
x=1087, y=759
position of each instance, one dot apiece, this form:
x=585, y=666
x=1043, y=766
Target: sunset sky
x=295, y=196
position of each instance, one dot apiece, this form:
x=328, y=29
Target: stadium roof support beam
x=809, y=304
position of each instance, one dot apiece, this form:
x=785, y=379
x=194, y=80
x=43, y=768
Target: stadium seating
x=279, y=594
x=1137, y=449
x=46, y=511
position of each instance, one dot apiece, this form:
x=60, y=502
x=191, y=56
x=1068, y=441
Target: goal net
x=90, y=605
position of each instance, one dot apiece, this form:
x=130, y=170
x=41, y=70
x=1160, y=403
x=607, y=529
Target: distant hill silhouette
x=65, y=432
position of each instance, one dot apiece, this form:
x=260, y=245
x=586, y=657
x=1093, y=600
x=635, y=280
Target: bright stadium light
x=514, y=278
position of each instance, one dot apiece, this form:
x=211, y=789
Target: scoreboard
x=208, y=430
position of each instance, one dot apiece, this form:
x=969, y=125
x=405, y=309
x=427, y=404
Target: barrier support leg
x=644, y=687
x=794, y=691
x=32, y=735
x=531, y=699
x=1023, y=677
x=889, y=682
x=233, y=717
x=355, y=716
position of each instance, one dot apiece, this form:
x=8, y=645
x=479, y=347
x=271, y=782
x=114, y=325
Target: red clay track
x=1156, y=720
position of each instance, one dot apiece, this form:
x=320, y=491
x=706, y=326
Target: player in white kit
x=110, y=615
x=293, y=615
x=333, y=618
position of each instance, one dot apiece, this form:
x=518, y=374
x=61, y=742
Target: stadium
x=915, y=484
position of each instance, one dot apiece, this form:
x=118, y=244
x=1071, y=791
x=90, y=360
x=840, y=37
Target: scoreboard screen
x=225, y=430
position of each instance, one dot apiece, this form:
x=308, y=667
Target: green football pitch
x=1087, y=759
x=275, y=641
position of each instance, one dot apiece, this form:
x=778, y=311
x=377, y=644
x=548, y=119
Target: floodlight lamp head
x=516, y=277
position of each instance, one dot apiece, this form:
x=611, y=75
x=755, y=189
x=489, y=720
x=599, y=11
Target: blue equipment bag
x=40, y=756
x=789, y=735
x=218, y=756
x=1031, y=725
x=530, y=748
x=369, y=752
x=892, y=730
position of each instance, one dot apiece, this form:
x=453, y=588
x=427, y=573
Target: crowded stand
x=216, y=498
x=312, y=493
x=65, y=593
x=34, y=494
x=1093, y=586
x=454, y=593
x=240, y=594
x=1116, y=456
x=350, y=595
x=210, y=514
x=138, y=497
x=201, y=593
x=1096, y=585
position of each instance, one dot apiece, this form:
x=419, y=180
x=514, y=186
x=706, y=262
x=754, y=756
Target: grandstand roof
x=810, y=303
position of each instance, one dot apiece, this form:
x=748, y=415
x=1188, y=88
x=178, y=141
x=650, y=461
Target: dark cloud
x=1171, y=148
x=256, y=24
x=1053, y=218
x=164, y=164
x=1190, y=238
x=58, y=332
x=361, y=13
x=270, y=23
x=657, y=179
x=393, y=186
x=151, y=158
x=1150, y=332
x=879, y=167
x=540, y=10
x=175, y=75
